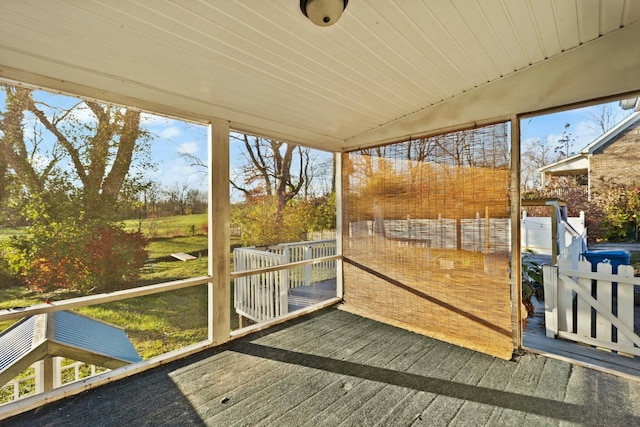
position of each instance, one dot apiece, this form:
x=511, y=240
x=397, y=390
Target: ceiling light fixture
x=323, y=12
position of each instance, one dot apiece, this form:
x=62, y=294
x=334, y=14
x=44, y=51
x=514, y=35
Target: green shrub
x=75, y=255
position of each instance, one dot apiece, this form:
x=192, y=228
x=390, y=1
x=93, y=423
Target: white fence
x=571, y=292
x=477, y=234
x=536, y=233
x=321, y=235
x=264, y=296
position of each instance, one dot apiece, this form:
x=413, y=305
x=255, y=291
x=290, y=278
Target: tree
x=268, y=169
x=605, y=118
x=178, y=198
x=74, y=253
x=287, y=189
x=89, y=150
x=564, y=147
x=278, y=180
x=535, y=154
x=69, y=165
x=197, y=201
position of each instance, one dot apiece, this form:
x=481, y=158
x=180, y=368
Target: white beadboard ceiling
x=386, y=70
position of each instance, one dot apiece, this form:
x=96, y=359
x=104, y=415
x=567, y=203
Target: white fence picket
x=605, y=297
x=583, y=308
x=625, y=304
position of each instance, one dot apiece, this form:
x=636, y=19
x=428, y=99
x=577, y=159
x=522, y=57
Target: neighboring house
x=611, y=158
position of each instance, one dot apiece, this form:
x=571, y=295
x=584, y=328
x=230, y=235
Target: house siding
x=617, y=162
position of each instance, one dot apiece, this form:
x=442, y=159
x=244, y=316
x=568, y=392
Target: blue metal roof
x=69, y=330
x=16, y=341
x=93, y=335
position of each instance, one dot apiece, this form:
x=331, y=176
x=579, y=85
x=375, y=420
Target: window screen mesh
x=426, y=236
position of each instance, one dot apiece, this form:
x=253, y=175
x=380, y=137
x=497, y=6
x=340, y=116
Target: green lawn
x=171, y=226
x=155, y=323
x=165, y=246
x=6, y=232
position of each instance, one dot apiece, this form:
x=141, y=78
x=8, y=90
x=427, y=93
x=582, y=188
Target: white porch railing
x=574, y=246
x=303, y=251
x=61, y=375
x=264, y=296
x=571, y=293
x=19, y=405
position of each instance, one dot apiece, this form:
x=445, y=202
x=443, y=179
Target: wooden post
x=487, y=230
x=219, y=289
x=44, y=375
x=554, y=235
x=516, y=261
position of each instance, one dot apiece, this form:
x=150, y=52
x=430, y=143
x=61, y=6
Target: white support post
x=339, y=223
x=550, y=279
x=219, y=289
x=57, y=371
x=44, y=375
x=516, y=250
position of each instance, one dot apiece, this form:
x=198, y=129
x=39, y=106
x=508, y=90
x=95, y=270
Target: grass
x=171, y=226
x=164, y=246
x=156, y=323
x=7, y=232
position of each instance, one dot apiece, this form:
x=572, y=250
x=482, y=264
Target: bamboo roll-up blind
x=427, y=236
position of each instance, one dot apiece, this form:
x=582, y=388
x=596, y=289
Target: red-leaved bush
x=75, y=255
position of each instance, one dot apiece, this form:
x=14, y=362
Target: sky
x=549, y=127
x=174, y=143
x=173, y=138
